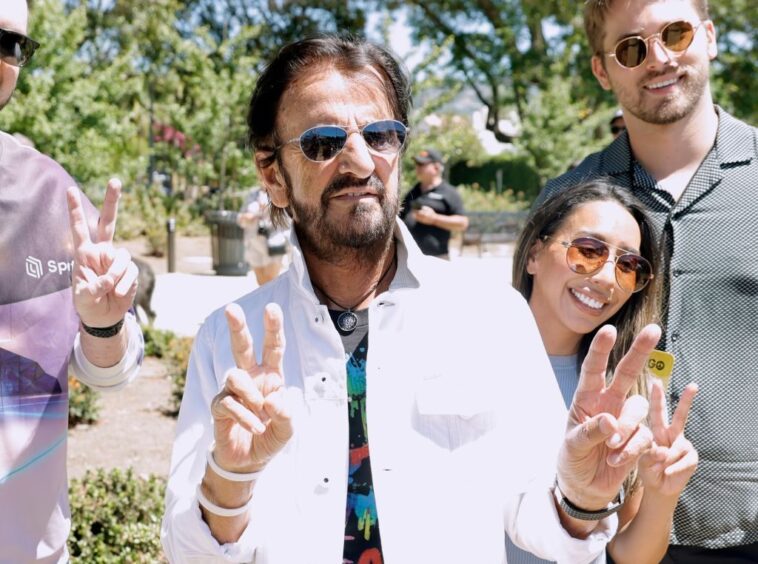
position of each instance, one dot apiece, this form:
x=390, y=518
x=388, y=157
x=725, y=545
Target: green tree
x=70, y=108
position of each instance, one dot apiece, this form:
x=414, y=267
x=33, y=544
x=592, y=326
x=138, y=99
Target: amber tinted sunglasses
x=676, y=37
x=587, y=255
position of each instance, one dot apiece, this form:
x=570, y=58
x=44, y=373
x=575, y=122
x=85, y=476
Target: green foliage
x=67, y=106
x=179, y=354
x=516, y=174
x=115, y=517
x=157, y=341
x=557, y=130
x=476, y=199
x=734, y=79
x=83, y=406
x=176, y=351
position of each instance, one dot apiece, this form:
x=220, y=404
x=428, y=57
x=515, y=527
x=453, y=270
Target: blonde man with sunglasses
x=696, y=168
x=53, y=249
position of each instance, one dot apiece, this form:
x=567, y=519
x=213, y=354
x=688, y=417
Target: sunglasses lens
x=325, y=142
x=677, y=36
x=631, y=51
x=322, y=143
x=633, y=272
x=386, y=136
x=16, y=49
x=586, y=256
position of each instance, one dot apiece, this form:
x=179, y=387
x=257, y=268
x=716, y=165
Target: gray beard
x=362, y=239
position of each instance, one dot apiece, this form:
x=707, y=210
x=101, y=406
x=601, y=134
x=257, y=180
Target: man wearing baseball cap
x=433, y=208
x=617, y=124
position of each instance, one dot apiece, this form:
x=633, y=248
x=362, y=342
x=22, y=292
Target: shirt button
x=677, y=272
x=323, y=486
x=674, y=336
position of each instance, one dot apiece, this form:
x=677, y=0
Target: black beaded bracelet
x=103, y=332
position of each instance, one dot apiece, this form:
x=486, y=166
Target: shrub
x=115, y=517
x=157, y=341
x=515, y=172
x=83, y=404
x=176, y=351
x=476, y=199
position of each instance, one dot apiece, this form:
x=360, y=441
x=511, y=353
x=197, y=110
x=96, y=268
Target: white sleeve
x=184, y=534
x=531, y=516
x=113, y=377
x=533, y=524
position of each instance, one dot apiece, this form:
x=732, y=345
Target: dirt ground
x=133, y=430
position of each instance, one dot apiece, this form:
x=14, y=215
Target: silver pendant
x=347, y=321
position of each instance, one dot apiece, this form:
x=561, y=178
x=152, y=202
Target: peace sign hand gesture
x=250, y=415
x=604, y=439
x=104, y=278
x=671, y=462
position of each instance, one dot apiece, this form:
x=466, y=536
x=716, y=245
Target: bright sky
x=400, y=36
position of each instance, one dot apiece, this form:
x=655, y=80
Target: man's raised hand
x=250, y=415
x=605, y=437
x=104, y=278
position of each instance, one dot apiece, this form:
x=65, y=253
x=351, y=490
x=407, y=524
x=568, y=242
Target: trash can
x=227, y=243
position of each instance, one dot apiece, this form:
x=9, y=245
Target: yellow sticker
x=661, y=364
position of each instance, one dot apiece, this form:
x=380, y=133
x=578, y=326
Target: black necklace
x=347, y=320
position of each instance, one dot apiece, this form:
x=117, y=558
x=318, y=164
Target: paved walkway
x=183, y=299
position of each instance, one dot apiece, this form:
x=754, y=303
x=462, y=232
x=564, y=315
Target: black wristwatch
x=103, y=332
x=584, y=515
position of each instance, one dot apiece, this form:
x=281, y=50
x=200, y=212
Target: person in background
x=433, y=208
x=696, y=169
x=617, y=125
x=587, y=257
x=65, y=295
x=265, y=245
x=371, y=428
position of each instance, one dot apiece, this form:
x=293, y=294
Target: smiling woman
x=557, y=267
x=587, y=258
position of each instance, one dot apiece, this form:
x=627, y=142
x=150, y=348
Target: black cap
x=428, y=156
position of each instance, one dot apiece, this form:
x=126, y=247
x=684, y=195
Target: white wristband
x=217, y=509
x=226, y=474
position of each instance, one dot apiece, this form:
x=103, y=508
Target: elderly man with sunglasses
x=50, y=245
x=375, y=426
x=696, y=167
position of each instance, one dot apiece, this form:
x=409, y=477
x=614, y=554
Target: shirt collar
x=734, y=144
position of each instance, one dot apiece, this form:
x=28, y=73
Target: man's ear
x=531, y=259
x=272, y=179
x=710, y=34
x=600, y=72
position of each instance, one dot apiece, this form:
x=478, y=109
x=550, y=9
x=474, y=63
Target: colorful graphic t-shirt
x=363, y=544
x=38, y=324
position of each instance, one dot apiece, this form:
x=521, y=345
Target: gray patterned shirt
x=709, y=246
